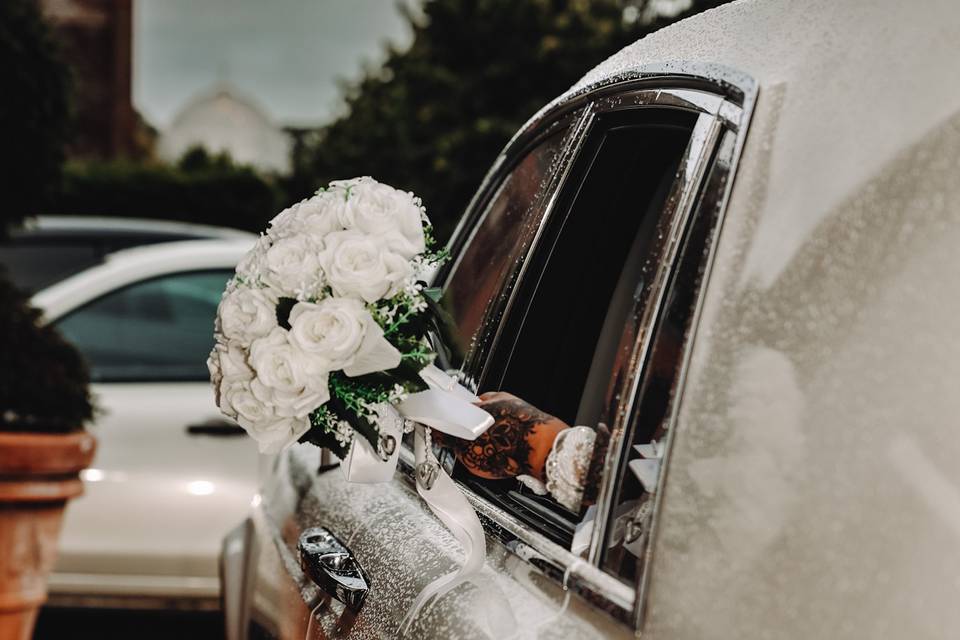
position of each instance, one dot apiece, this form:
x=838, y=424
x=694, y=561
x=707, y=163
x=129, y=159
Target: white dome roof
x=222, y=121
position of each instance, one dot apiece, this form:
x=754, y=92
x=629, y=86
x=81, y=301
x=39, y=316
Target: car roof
x=845, y=87
x=139, y=263
x=181, y=250
x=109, y=225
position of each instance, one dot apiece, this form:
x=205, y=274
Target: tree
x=433, y=117
x=34, y=111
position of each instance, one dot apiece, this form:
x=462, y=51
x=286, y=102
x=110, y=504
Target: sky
x=286, y=55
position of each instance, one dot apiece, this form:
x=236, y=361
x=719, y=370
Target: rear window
x=36, y=266
x=37, y=259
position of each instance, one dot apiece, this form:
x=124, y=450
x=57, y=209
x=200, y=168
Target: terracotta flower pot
x=38, y=474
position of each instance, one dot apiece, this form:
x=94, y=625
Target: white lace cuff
x=568, y=464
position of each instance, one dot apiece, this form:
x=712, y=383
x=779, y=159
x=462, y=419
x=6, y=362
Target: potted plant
x=44, y=403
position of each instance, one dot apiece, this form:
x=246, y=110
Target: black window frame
x=499, y=357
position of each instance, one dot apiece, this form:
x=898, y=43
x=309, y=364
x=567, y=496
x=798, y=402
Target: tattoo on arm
x=503, y=451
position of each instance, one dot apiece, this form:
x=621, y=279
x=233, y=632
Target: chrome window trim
x=543, y=200
x=477, y=208
x=540, y=552
x=728, y=176
x=725, y=100
x=697, y=157
x=577, y=136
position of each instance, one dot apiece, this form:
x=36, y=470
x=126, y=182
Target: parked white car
x=171, y=474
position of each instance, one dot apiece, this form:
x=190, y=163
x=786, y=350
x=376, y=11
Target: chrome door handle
x=332, y=567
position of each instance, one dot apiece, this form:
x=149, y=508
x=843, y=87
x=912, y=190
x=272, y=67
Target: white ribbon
x=448, y=407
x=449, y=504
x=363, y=463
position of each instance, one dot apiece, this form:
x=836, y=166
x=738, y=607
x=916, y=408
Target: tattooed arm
x=517, y=443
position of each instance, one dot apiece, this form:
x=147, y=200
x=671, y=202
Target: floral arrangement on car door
x=322, y=336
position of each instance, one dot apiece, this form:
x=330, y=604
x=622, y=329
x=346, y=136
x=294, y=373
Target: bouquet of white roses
x=326, y=319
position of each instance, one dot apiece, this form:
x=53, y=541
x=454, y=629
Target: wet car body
x=789, y=341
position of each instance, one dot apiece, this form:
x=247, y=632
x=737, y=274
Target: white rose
x=293, y=403
x=251, y=264
x=283, y=223
x=272, y=432
x=379, y=209
x=290, y=266
x=227, y=363
x=344, y=334
x=247, y=313
x=293, y=382
x=360, y=265
x=317, y=217
x=233, y=362
x=278, y=364
x=314, y=216
x=216, y=375
x=238, y=402
x=276, y=434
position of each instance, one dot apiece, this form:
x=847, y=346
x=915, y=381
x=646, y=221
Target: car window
x=38, y=258
x=36, y=265
x=637, y=479
x=156, y=330
x=559, y=344
x=494, y=249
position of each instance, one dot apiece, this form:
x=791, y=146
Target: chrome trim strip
x=745, y=113
x=577, y=135
x=735, y=86
x=497, y=522
x=470, y=220
x=581, y=574
x=695, y=161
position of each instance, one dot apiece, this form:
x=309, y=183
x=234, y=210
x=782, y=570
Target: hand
x=518, y=442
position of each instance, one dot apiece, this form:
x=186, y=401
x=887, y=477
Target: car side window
x=493, y=251
x=155, y=330
x=559, y=343
x=635, y=484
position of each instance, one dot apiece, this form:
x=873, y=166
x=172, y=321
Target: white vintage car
x=171, y=474
x=732, y=250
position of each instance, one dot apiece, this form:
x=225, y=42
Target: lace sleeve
x=568, y=465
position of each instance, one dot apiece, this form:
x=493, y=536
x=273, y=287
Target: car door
x=171, y=475
x=571, y=260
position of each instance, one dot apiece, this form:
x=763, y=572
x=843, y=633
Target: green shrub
x=203, y=189
x=43, y=379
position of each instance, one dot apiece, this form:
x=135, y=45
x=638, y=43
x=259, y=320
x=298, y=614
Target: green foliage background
x=34, y=112
x=431, y=119
x=435, y=116
x=201, y=188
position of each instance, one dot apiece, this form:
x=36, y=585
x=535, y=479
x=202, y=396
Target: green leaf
x=359, y=424
x=320, y=438
x=284, y=307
